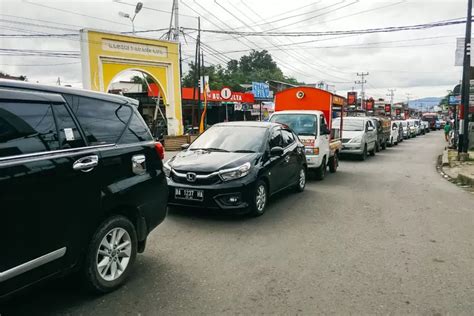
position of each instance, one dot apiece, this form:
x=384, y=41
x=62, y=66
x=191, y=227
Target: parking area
x=381, y=235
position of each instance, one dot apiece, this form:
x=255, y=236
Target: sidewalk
x=462, y=173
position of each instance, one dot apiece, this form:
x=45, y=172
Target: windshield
x=231, y=139
x=301, y=124
x=351, y=125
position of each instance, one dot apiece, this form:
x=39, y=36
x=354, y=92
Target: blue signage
x=260, y=90
x=454, y=100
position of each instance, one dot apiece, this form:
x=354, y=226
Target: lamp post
x=138, y=8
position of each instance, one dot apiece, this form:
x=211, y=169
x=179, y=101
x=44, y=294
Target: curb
x=439, y=168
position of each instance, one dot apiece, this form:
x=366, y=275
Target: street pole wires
x=362, y=83
x=463, y=145
x=391, y=95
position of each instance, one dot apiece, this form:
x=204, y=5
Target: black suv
x=81, y=185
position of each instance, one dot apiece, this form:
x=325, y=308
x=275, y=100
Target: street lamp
x=138, y=8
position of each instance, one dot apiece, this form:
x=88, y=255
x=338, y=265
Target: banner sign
x=212, y=96
x=388, y=109
x=454, y=99
x=407, y=114
x=352, y=98
x=459, y=55
x=398, y=112
x=369, y=105
x=261, y=90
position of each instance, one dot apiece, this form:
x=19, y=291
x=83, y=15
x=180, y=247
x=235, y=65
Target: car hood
x=351, y=134
x=205, y=161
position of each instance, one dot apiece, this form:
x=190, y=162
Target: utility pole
x=362, y=82
x=198, y=52
x=391, y=95
x=463, y=144
x=176, y=20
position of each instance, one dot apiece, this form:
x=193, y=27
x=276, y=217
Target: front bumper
x=349, y=148
x=313, y=161
x=215, y=196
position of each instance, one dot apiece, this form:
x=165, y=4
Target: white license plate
x=189, y=194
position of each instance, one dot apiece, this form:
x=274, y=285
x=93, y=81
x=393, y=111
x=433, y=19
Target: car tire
x=372, y=152
x=333, y=163
x=301, y=184
x=320, y=173
x=377, y=146
x=259, y=201
x=384, y=145
x=114, y=244
x=363, y=156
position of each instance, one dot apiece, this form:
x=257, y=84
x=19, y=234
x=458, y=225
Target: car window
x=102, y=122
x=69, y=136
x=287, y=138
x=322, y=125
x=137, y=131
x=27, y=128
x=276, y=138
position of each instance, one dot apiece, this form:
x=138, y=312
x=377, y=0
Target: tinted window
x=275, y=138
x=301, y=124
x=136, y=132
x=103, y=122
x=231, y=138
x=27, y=128
x=322, y=125
x=288, y=137
x=69, y=136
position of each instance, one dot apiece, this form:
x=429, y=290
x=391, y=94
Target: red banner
x=352, y=98
x=212, y=96
x=369, y=105
x=407, y=114
x=388, y=109
x=398, y=111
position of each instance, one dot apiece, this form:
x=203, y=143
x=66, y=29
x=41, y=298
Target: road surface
x=388, y=235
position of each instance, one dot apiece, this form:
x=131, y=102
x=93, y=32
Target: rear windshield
x=301, y=124
x=350, y=125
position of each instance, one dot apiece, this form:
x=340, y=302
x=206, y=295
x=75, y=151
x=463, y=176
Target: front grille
x=345, y=140
x=213, y=179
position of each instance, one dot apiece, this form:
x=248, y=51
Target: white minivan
x=359, y=136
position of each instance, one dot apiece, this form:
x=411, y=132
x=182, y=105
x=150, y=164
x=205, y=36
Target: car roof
x=66, y=90
x=248, y=124
x=315, y=112
x=354, y=118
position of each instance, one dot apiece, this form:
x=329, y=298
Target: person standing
x=447, y=129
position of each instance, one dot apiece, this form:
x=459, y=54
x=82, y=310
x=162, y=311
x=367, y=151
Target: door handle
x=86, y=164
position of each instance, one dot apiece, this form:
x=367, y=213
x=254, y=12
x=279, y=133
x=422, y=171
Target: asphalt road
x=388, y=235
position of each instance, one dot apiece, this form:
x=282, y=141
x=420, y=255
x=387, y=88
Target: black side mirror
x=325, y=130
x=184, y=146
x=276, y=151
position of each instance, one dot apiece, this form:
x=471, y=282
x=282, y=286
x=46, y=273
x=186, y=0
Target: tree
x=257, y=66
x=141, y=79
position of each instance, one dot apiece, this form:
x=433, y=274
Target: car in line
x=236, y=167
x=81, y=186
x=432, y=119
x=359, y=136
x=394, y=134
x=382, y=126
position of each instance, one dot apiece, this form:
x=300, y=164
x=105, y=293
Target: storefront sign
x=215, y=96
x=134, y=48
x=398, y=112
x=369, y=105
x=226, y=93
x=260, y=90
x=337, y=100
x=352, y=98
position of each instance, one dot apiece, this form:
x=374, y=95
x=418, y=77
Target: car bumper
x=216, y=196
x=355, y=149
x=313, y=161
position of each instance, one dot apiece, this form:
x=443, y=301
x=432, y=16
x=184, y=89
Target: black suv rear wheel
x=111, y=254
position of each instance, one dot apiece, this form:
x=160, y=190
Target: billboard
x=352, y=98
x=261, y=90
x=388, y=109
x=369, y=105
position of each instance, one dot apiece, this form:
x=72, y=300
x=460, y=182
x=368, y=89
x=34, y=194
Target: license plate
x=189, y=194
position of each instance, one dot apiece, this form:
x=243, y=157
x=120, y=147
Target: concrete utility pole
x=391, y=95
x=176, y=20
x=463, y=145
x=362, y=82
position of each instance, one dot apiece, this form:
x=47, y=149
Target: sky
x=417, y=63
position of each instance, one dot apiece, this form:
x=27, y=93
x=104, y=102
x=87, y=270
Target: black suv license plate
x=189, y=194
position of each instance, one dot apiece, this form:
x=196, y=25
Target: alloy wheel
x=302, y=182
x=113, y=255
x=261, y=198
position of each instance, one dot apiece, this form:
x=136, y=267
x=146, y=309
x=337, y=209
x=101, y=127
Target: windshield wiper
x=306, y=134
x=211, y=149
x=244, y=151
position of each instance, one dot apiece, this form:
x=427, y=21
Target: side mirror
x=325, y=131
x=394, y=128
x=184, y=146
x=276, y=151
x=370, y=128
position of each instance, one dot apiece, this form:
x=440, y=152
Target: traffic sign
x=226, y=93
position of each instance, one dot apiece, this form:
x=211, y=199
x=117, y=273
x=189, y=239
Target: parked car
x=313, y=131
x=394, y=134
x=400, y=136
x=405, y=129
x=426, y=125
x=236, y=167
x=383, y=127
x=412, y=128
x=359, y=136
x=81, y=185
x=432, y=119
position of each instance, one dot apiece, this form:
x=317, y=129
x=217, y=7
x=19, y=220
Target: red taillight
x=160, y=150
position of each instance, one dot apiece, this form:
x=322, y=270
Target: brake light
x=160, y=150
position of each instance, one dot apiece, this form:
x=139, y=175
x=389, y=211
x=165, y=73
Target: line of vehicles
x=82, y=181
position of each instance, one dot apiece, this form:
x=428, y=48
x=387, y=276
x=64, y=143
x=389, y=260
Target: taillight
x=160, y=150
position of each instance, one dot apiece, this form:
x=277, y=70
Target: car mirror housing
x=370, y=129
x=276, y=151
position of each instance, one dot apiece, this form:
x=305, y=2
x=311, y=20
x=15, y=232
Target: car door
x=371, y=135
x=41, y=188
x=277, y=164
x=324, y=138
x=291, y=157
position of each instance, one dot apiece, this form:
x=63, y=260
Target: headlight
x=167, y=169
x=235, y=173
x=356, y=140
x=311, y=151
